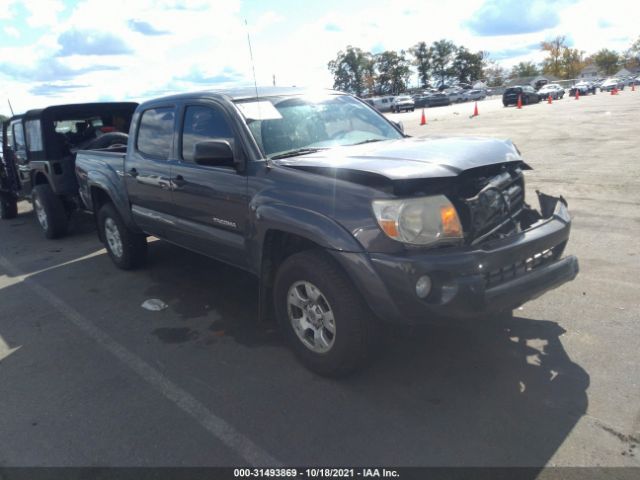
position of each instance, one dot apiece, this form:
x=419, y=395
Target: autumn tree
x=572, y=62
x=553, y=63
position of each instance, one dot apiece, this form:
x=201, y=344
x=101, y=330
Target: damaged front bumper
x=471, y=280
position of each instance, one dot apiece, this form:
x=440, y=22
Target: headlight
x=419, y=221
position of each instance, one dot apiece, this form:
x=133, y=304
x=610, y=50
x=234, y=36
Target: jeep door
x=19, y=149
x=209, y=199
x=147, y=171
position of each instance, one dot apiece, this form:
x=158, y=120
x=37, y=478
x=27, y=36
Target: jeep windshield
x=296, y=125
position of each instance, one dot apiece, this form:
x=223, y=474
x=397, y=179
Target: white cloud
x=11, y=31
x=43, y=12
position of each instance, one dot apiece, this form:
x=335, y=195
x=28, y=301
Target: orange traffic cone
x=519, y=105
x=577, y=94
x=549, y=101
x=475, y=110
x=423, y=120
x=614, y=91
x=633, y=87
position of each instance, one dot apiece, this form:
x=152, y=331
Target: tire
x=50, y=211
x=127, y=249
x=107, y=140
x=355, y=329
x=8, y=206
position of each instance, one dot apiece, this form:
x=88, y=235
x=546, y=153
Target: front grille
x=518, y=269
x=493, y=209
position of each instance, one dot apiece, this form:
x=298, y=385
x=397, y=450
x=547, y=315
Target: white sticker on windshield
x=262, y=110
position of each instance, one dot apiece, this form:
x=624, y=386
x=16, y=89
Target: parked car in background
x=553, y=89
x=402, y=102
x=525, y=92
x=610, y=83
x=455, y=94
x=438, y=99
x=585, y=88
x=382, y=104
x=473, y=95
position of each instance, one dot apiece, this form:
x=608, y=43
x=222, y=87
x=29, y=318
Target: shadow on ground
x=506, y=394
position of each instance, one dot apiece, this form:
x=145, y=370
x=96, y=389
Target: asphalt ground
x=89, y=378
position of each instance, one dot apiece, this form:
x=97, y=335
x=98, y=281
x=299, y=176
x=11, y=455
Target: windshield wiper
x=296, y=152
x=370, y=140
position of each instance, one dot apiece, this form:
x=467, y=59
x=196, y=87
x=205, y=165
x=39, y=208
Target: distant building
x=627, y=72
x=590, y=72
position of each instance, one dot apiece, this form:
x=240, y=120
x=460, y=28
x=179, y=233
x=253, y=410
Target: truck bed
x=102, y=167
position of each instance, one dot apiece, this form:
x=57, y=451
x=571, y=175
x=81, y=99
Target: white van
x=382, y=104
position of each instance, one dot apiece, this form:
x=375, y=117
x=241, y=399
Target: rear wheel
x=322, y=316
x=8, y=206
x=126, y=248
x=50, y=211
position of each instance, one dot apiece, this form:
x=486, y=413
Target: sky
x=65, y=51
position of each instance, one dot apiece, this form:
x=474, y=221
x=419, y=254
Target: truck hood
x=411, y=158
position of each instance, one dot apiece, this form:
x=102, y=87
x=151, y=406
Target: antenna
x=10, y=107
x=253, y=68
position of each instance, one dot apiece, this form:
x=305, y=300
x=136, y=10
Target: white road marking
x=217, y=426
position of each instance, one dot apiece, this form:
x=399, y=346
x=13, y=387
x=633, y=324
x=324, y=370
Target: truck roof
x=78, y=108
x=242, y=93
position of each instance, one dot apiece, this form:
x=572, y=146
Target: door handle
x=133, y=172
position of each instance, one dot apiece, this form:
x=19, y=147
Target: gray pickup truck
x=347, y=222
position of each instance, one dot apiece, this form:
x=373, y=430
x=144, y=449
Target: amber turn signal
x=450, y=222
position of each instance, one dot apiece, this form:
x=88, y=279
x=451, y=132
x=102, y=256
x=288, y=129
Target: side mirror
x=213, y=153
x=400, y=126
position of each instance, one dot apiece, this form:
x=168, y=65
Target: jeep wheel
x=126, y=248
x=50, y=211
x=8, y=206
x=322, y=316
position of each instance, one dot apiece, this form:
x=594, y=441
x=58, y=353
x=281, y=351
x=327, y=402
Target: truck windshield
x=303, y=124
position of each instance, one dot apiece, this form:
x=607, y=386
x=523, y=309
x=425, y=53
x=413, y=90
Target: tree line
x=364, y=73
x=388, y=72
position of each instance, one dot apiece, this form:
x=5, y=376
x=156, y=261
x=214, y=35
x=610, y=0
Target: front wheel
x=322, y=316
x=126, y=248
x=8, y=206
x=50, y=211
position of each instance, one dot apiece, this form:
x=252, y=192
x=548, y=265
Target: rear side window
x=513, y=90
x=18, y=137
x=201, y=124
x=34, y=135
x=155, y=135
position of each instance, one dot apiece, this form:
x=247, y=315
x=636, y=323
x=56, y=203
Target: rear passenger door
x=147, y=171
x=209, y=202
x=19, y=147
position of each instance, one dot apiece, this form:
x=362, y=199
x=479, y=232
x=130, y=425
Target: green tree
x=572, y=62
x=350, y=70
x=442, y=55
x=467, y=66
x=553, y=63
x=422, y=60
x=607, y=61
x=393, y=72
x=524, y=69
x=493, y=73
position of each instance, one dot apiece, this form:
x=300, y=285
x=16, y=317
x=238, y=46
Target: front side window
x=290, y=123
x=201, y=124
x=155, y=135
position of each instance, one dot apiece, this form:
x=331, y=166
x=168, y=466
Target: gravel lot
x=88, y=377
